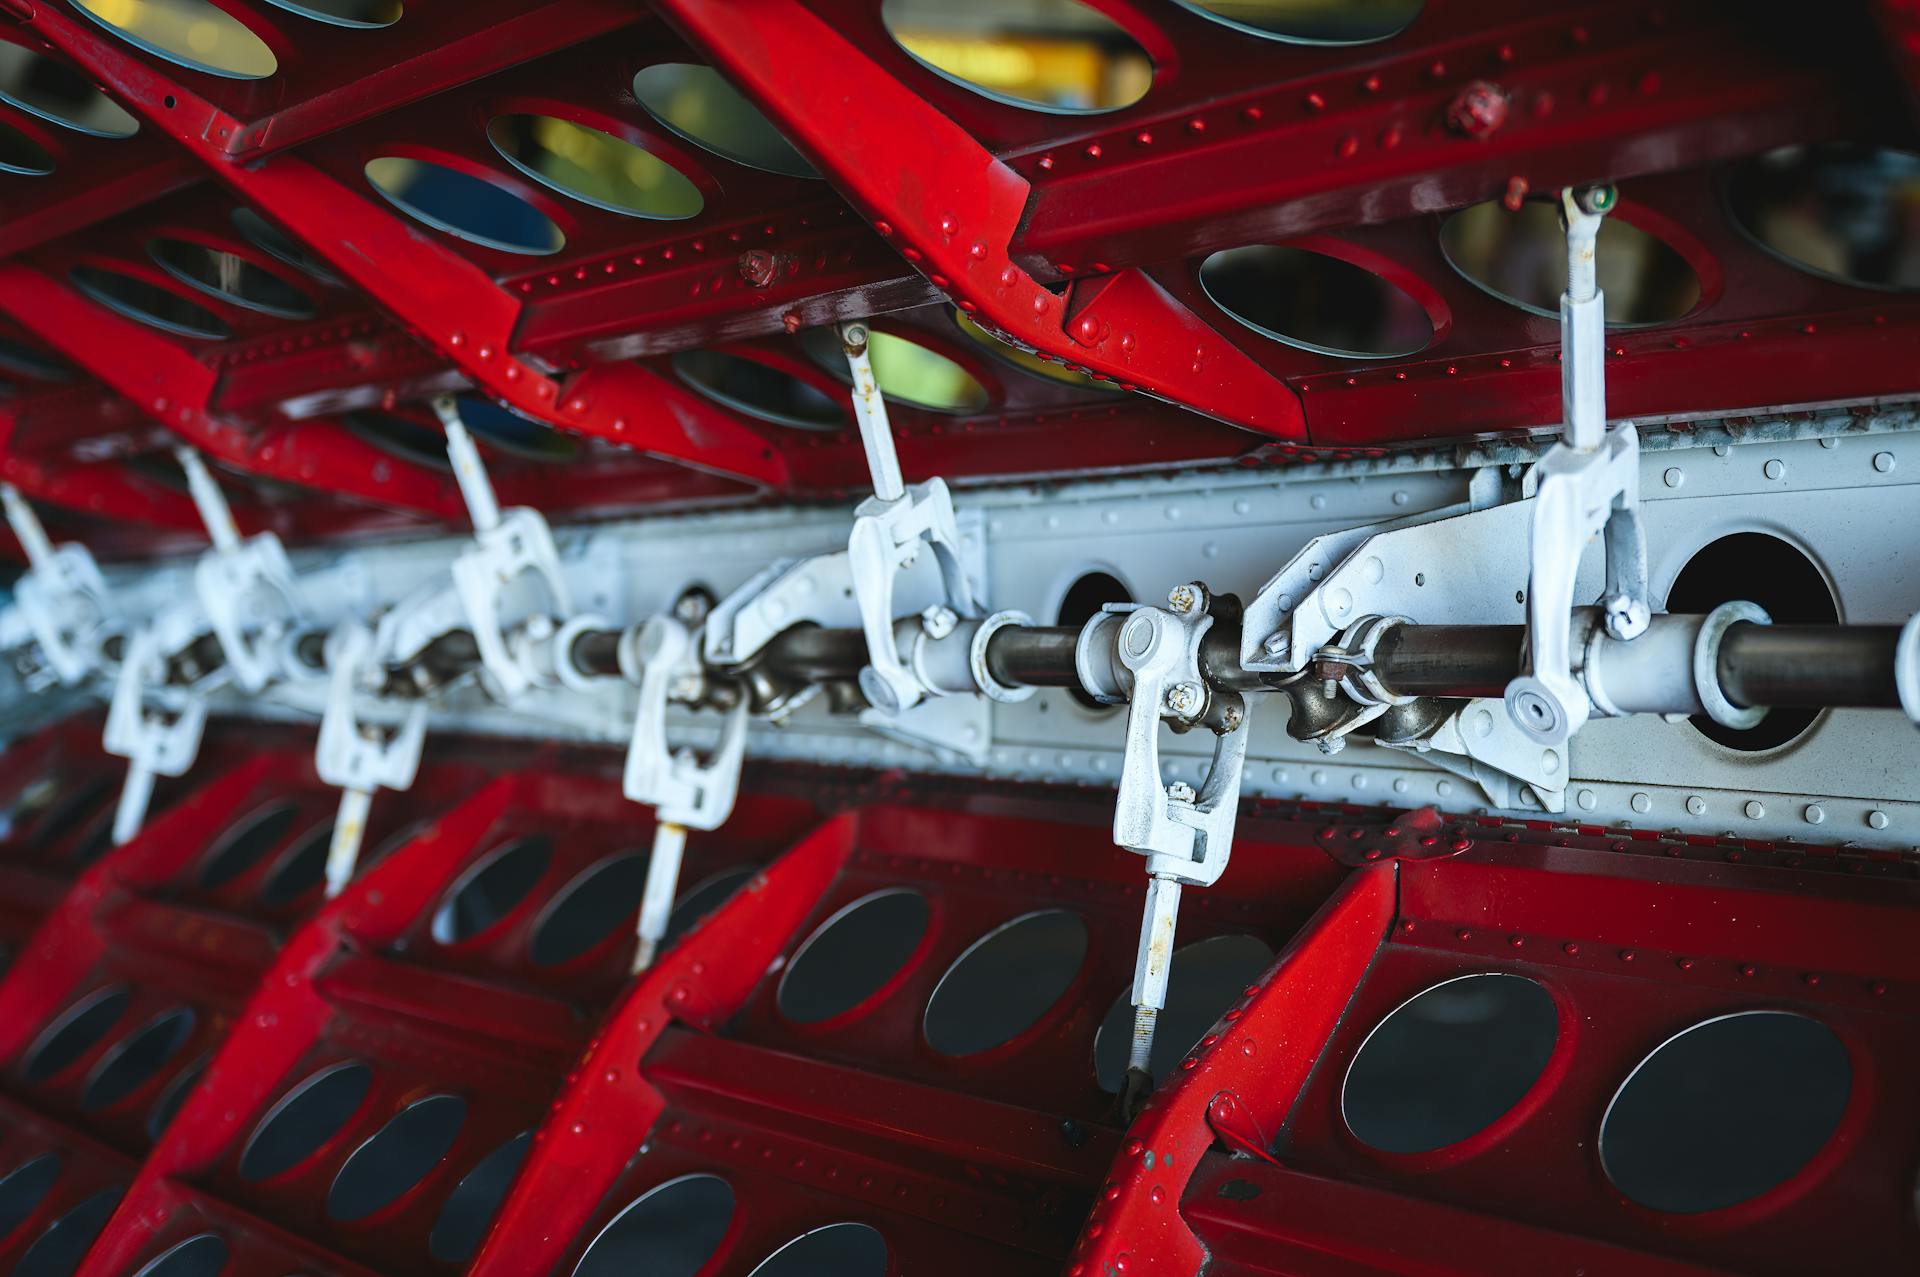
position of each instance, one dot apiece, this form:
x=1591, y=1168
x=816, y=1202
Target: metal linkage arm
x=61, y=601
x=358, y=756
x=153, y=723
x=1153, y=656
x=246, y=588
x=685, y=791
x=890, y=529
x=1587, y=483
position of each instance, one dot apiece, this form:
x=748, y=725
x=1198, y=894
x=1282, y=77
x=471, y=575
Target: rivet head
x=1883, y=462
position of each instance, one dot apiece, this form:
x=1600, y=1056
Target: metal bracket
x=684, y=791
x=156, y=728
x=62, y=598
x=1481, y=743
x=356, y=756
x=246, y=588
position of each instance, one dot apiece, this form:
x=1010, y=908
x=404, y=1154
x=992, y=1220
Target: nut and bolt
x=1478, y=110
x=1231, y=717
x=1186, y=599
x=1181, y=792
x=757, y=267
x=692, y=607
x=939, y=621
x=1184, y=699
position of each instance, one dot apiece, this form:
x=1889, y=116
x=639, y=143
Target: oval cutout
x=196, y=34
x=1520, y=257
x=464, y=206
x=1005, y=982
x=300, y=869
x=759, y=390
x=1060, y=56
x=58, y=1251
x=1203, y=981
x=1312, y=21
x=400, y=437
x=504, y=430
x=852, y=955
x=396, y=1157
x=589, y=909
x=469, y=1209
x=359, y=14
x=230, y=278
x=137, y=1060
x=22, y=360
x=1449, y=1062
x=704, y=897
x=75, y=1032
x=492, y=889
x=594, y=167
x=280, y=246
x=309, y=1115
x=844, y=1250
x=1788, y=586
x=1025, y=360
x=167, y=1107
x=1840, y=210
x=906, y=372
x=247, y=843
x=669, y=1231
x=1316, y=302
x=698, y=104
x=202, y=1256
x=57, y=91
x=148, y=303
x=1724, y=1111
x=22, y=155
x=24, y=1188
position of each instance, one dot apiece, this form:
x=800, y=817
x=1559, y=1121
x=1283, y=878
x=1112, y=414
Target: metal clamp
x=1706, y=664
x=684, y=791
x=62, y=598
x=245, y=587
x=154, y=726
x=356, y=756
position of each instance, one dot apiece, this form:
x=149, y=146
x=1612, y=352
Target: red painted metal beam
x=954, y=209
x=440, y=296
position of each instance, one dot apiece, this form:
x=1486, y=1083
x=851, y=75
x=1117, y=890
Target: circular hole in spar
x=361, y=14
x=202, y=1256
x=280, y=246
x=22, y=360
x=1312, y=21
x=148, y=303
x=1775, y=574
x=400, y=437
x=1449, y=1062
x=704, y=897
x=851, y=955
x=589, y=909
x=492, y=889
x=463, y=1220
x=1044, y=55
x=21, y=155
x=696, y=103
x=594, y=167
x=313, y=1112
x=759, y=390
x=71, y=809
x=1005, y=982
x=671, y=1230
x=1316, y=302
x=167, y=1107
x=838, y=1250
x=505, y=430
x=396, y=1157
x=58, y=1251
x=246, y=843
x=1841, y=210
x=137, y=1059
x=301, y=868
x=24, y=1188
x=56, y=91
x=230, y=278
x=196, y=34
x=1025, y=360
x=464, y=206
x=1520, y=256
x=1723, y=1111
x=73, y=1034
x=906, y=372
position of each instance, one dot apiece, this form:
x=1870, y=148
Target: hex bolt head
x=1231, y=717
x=939, y=621
x=1181, y=792
x=1183, y=699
